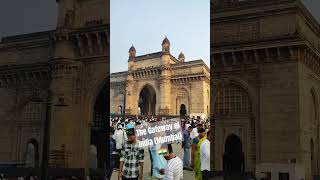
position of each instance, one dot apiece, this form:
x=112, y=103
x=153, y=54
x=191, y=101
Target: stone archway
x=32, y=153
x=120, y=110
x=312, y=158
x=93, y=159
x=233, y=157
x=147, y=100
x=183, y=110
x=98, y=129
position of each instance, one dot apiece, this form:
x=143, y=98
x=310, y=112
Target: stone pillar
x=131, y=102
x=165, y=95
x=66, y=124
x=66, y=15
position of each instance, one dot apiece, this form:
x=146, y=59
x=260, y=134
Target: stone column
x=66, y=122
x=131, y=102
x=165, y=93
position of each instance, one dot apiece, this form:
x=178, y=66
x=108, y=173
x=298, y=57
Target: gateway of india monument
x=161, y=84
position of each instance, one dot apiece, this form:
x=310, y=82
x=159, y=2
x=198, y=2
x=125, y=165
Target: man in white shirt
x=174, y=169
x=205, y=157
x=120, y=137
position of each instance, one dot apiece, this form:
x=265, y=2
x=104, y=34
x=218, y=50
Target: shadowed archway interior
x=32, y=153
x=183, y=110
x=233, y=158
x=147, y=101
x=98, y=128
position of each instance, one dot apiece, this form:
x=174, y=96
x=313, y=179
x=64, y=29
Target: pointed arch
x=147, y=100
x=32, y=153
x=182, y=101
x=314, y=107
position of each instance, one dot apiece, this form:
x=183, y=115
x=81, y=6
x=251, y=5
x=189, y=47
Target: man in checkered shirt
x=131, y=159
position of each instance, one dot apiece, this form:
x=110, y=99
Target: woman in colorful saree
x=197, y=163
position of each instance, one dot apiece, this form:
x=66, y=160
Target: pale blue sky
x=145, y=23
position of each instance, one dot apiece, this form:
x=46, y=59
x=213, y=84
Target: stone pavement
x=187, y=175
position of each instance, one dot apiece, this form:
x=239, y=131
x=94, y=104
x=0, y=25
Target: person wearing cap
x=132, y=157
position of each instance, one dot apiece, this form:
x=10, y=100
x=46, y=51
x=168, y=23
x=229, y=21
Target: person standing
x=132, y=158
x=112, y=154
x=120, y=138
x=159, y=162
x=194, y=135
x=186, y=145
x=197, y=163
x=174, y=169
x=205, y=157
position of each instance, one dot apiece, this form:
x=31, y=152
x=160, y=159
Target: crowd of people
x=128, y=158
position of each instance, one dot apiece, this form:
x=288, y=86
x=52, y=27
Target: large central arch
x=147, y=100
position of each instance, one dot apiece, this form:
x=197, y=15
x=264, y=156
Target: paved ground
x=187, y=175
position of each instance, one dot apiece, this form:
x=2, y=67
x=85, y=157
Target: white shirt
x=194, y=133
x=205, y=155
x=120, y=136
x=174, y=169
x=187, y=126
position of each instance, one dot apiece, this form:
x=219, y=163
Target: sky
x=27, y=16
x=145, y=23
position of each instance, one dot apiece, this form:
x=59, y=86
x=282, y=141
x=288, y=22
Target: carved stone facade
x=160, y=84
x=266, y=83
x=71, y=63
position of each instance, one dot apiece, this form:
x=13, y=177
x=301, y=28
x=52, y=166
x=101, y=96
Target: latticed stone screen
x=232, y=99
x=182, y=94
x=32, y=113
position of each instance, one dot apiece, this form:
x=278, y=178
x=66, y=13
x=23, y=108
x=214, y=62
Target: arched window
x=32, y=154
x=313, y=108
x=120, y=111
x=182, y=102
x=232, y=99
x=93, y=157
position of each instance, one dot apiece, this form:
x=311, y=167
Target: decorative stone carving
x=69, y=19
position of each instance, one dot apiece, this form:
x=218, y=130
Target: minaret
x=132, y=55
x=181, y=57
x=130, y=102
x=132, y=52
x=165, y=83
x=166, y=46
x=66, y=13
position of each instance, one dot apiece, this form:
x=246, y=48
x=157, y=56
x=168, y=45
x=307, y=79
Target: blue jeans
x=186, y=157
